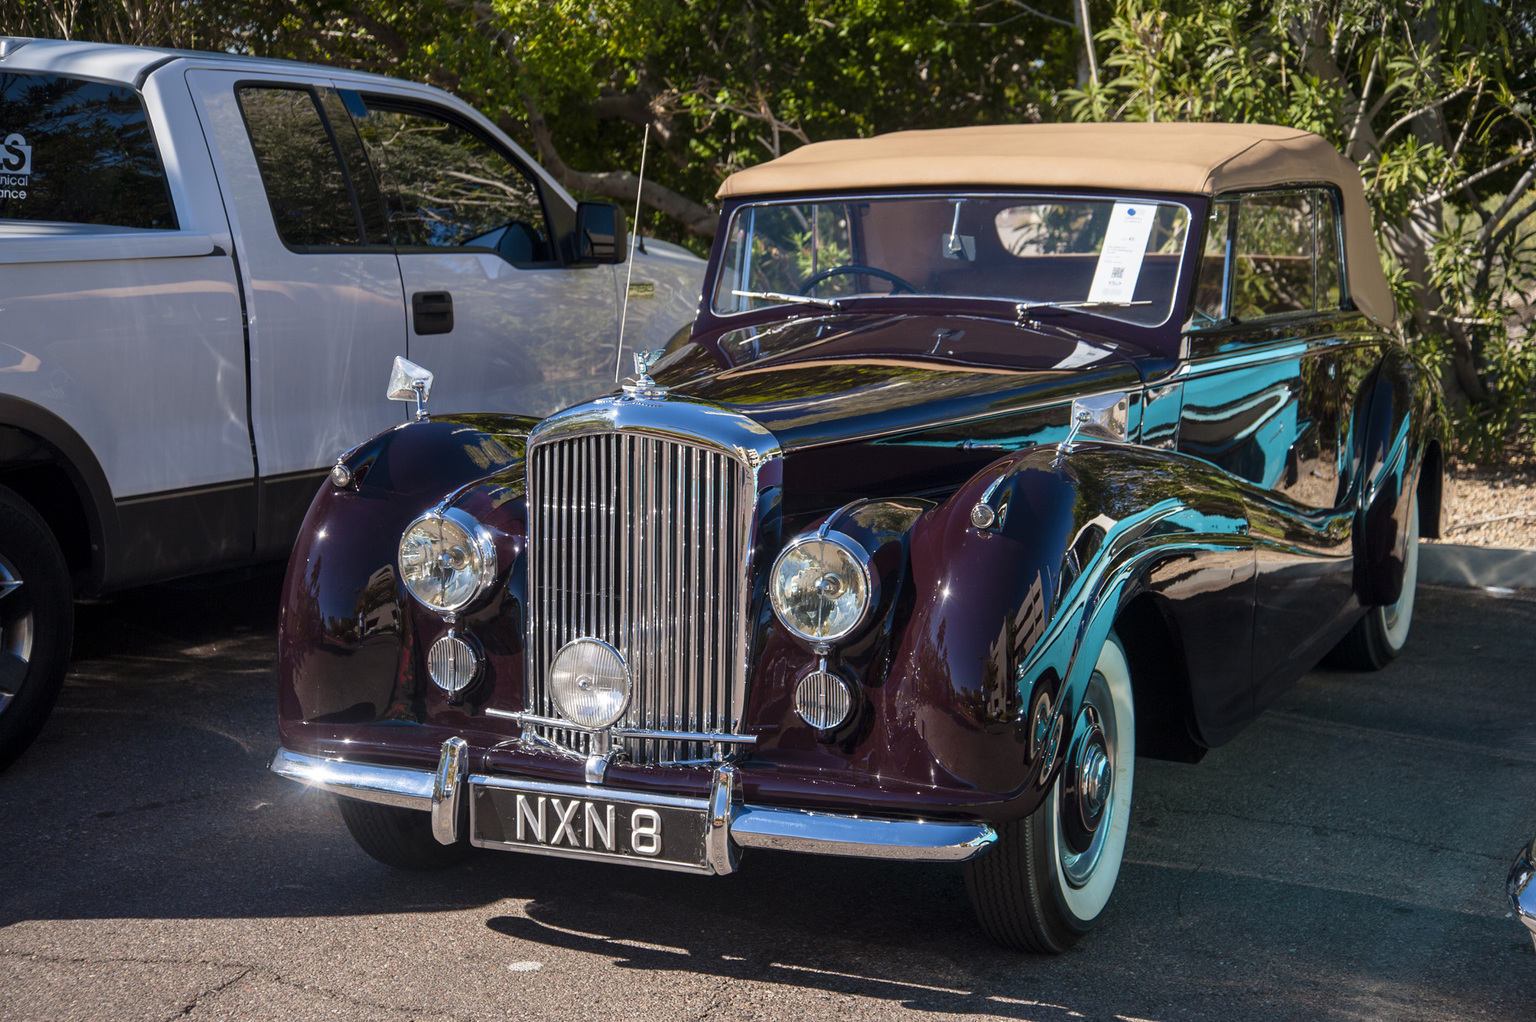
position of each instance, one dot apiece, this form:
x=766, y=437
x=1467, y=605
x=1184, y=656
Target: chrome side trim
x=799, y=830
x=448, y=790
x=390, y=786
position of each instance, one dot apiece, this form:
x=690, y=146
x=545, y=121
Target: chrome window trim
x=753, y=207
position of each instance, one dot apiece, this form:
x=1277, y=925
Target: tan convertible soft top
x=1200, y=158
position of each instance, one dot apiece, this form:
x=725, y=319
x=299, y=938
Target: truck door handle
x=432, y=312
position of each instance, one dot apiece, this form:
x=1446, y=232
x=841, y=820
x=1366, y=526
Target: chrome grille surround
x=641, y=516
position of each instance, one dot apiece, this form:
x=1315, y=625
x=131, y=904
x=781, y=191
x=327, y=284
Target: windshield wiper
x=780, y=296
x=1022, y=309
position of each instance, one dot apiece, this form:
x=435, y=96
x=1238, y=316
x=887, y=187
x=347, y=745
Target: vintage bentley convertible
x=995, y=458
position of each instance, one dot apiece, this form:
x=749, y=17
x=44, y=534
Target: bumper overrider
x=692, y=835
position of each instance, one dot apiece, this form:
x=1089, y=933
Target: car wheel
x=1379, y=636
x=1049, y=877
x=37, y=620
x=398, y=837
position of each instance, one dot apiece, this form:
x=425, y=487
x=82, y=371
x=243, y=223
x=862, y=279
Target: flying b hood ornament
x=643, y=385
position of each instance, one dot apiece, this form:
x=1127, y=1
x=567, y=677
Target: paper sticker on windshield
x=1125, y=245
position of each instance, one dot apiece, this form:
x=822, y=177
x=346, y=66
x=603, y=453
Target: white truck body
x=188, y=384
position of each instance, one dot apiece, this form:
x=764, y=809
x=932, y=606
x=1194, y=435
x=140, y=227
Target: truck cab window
x=74, y=151
x=306, y=183
x=447, y=186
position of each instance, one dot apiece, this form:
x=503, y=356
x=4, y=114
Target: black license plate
x=589, y=823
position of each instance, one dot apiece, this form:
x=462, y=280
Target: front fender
x=347, y=631
x=1002, y=614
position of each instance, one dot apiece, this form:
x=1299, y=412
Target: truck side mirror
x=600, y=233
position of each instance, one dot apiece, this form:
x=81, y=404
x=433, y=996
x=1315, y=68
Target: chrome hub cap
x=1093, y=782
x=1087, y=804
x=15, y=632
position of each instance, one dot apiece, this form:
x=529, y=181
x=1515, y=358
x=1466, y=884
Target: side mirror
x=600, y=233
x=409, y=382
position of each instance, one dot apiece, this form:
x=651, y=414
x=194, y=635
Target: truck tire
x=37, y=623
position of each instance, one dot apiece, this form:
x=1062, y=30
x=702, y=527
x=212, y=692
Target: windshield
x=1112, y=257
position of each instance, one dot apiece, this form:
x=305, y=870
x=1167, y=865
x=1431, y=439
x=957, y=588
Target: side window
x=79, y=152
x=1269, y=254
x=446, y=186
x=307, y=185
x=1210, y=304
x=1276, y=245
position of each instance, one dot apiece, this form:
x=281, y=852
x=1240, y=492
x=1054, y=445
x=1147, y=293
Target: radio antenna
x=618, y=356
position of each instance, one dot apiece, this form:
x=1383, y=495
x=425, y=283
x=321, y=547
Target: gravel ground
x=1493, y=506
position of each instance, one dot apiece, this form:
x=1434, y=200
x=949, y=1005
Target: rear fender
x=1391, y=456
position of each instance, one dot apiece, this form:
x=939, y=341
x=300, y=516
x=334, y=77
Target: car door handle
x=432, y=312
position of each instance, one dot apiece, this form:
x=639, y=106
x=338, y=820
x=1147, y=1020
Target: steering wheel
x=897, y=284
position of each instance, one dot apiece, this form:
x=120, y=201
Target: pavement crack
x=191, y=1005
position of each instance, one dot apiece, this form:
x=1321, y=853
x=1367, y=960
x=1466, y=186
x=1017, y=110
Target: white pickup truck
x=207, y=265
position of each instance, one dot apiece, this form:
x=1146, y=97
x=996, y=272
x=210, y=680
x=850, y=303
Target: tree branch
x=618, y=184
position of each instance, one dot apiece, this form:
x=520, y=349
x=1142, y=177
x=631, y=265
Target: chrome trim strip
x=588, y=791
x=623, y=732
x=448, y=790
x=390, y=786
x=799, y=830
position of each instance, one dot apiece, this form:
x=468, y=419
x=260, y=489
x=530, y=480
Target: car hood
x=829, y=379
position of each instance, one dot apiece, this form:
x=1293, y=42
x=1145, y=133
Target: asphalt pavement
x=1343, y=858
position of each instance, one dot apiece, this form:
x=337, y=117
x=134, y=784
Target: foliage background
x=1431, y=98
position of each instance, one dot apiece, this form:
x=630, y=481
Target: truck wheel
x=37, y=621
x=398, y=837
x=1047, y=880
x=1377, y=639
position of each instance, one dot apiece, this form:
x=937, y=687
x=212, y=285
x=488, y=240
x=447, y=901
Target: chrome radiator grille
x=641, y=542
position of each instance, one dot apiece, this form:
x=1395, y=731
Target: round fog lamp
x=823, y=700
x=452, y=663
x=590, y=683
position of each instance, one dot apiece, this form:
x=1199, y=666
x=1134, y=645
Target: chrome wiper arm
x=1023, y=309
x=781, y=296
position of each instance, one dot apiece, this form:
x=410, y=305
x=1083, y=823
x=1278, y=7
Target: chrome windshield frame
x=751, y=206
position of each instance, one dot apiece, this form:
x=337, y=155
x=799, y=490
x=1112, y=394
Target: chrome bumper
x=732, y=824
x=1522, y=887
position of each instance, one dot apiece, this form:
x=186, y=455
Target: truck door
x=324, y=305
x=492, y=310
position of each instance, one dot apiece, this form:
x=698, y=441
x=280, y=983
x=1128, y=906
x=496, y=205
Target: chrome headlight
x=447, y=559
x=820, y=587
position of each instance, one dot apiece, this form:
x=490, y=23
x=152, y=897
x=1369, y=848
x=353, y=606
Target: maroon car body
x=1081, y=529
